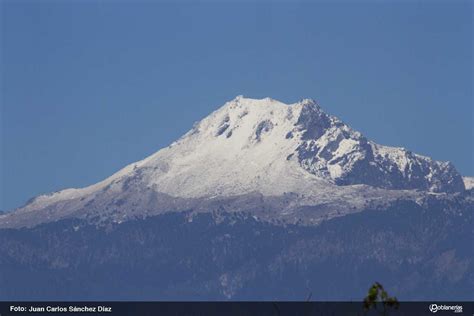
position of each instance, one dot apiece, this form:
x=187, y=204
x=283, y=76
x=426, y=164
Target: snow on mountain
x=468, y=182
x=264, y=147
x=270, y=147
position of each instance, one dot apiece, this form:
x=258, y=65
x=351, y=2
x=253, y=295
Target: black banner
x=231, y=308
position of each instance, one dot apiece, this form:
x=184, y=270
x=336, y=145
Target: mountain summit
x=271, y=147
x=258, y=146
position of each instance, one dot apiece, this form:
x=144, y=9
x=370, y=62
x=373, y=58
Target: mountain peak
x=251, y=145
x=242, y=98
x=267, y=147
x=309, y=102
x=259, y=141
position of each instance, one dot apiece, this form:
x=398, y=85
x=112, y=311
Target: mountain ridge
x=263, y=146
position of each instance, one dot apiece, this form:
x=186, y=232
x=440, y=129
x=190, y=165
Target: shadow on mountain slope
x=417, y=253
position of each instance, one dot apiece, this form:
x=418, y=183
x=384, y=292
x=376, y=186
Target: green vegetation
x=378, y=296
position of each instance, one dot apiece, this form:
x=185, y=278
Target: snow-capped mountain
x=258, y=201
x=295, y=155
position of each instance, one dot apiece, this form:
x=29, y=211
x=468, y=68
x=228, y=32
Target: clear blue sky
x=90, y=86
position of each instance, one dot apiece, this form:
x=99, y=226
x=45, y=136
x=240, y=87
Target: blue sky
x=90, y=86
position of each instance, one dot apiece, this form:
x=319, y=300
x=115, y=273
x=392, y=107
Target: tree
x=377, y=295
